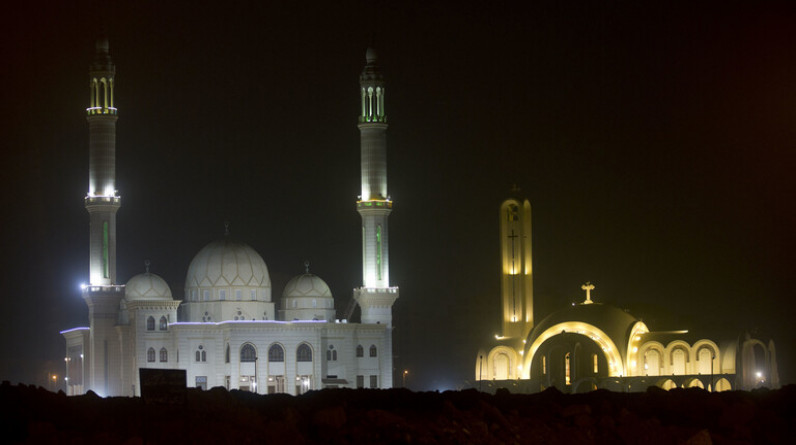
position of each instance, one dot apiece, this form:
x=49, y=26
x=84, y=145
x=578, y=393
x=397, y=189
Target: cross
x=588, y=288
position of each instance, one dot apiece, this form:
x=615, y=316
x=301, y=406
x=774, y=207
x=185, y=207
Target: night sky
x=656, y=143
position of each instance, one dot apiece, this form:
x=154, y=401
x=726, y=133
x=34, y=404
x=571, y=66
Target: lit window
x=360, y=351
x=150, y=324
x=164, y=355
x=303, y=353
x=544, y=365
x=596, y=364
x=164, y=324
x=566, y=369
x=150, y=355
x=373, y=351
x=247, y=353
x=276, y=354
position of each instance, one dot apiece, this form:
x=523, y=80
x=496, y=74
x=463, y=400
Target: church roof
x=615, y=323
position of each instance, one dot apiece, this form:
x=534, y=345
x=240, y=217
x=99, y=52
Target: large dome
x=227, y=263
x=306, y=285
x=147, y=286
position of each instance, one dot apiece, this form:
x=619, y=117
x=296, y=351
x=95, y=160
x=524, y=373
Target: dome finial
x=146, y=265
x=306, y=266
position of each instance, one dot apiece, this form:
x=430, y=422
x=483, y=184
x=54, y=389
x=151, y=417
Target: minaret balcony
x=98, y=111
x=93, y=200
x=374, y=204
x=101, y=288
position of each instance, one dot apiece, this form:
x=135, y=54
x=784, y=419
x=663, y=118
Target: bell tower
x=516, y=285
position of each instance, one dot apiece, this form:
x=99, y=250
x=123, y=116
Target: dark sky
x=655, y=141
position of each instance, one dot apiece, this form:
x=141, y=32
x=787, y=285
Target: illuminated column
x=375, y=297
x=517, y=268
x=102, y=294
x=102, y=202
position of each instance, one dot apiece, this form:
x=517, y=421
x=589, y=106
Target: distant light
x=759, y=374
x=83, y=286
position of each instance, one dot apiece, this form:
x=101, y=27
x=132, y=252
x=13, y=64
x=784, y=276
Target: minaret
x=375, y=297
x=102, y=202
x=516, y=268
x=102, y=294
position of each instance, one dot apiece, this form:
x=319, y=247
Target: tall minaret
x=516, y=268
x=375, y=297
x=102, y=294
x=102, y=202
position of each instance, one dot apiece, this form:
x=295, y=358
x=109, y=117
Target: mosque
x=592, y=345
x=227, y=330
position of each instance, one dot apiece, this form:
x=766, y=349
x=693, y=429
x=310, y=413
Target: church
x=591, y=345
x=228, y=330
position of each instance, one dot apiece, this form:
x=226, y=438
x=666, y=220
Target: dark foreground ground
x=692, y=416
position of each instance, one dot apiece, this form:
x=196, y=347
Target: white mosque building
x=591, y=345
x=228, y=330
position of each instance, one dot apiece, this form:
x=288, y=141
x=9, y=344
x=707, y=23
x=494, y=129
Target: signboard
x=166, y=386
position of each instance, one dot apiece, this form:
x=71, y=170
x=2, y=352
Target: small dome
x=227, y=263
x=306, y=285
x=147, y=286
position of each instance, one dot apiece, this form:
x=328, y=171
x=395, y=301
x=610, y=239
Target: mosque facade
x=591, y=345
x=228, y=330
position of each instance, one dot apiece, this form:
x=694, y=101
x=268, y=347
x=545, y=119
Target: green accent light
x=378, y=251
x=105, y=254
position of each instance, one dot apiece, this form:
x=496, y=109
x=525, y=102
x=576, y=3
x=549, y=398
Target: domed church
x=228, y=330
x=591, y=345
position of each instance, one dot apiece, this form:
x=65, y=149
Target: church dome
x=147, y=286
x=306, y=285
x=615, y=323
x=228, y=264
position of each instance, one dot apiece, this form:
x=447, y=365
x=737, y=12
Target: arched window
x=360, y=351
x=544, y=365
x=331, y=354
x=164, y=323
x=596, y=363
x=150, y=355
x=164, y=355
x=204, y=356
x=201, y=354
x=373, y=351
x=304, y=353
x=566, y=369
x=226, y=354
x=276, y=354
x=247, y=353
x=150, y=323
x=198, y=356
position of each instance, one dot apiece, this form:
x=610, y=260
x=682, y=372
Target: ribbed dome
x=147, y=286
x=226, y=263
x=306, y=285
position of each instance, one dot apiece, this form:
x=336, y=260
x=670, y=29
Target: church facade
x=591, y=345
x=228, y=330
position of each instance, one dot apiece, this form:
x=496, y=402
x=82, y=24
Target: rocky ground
x=398, y=416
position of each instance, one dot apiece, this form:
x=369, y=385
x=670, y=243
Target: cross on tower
x=588, y=287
